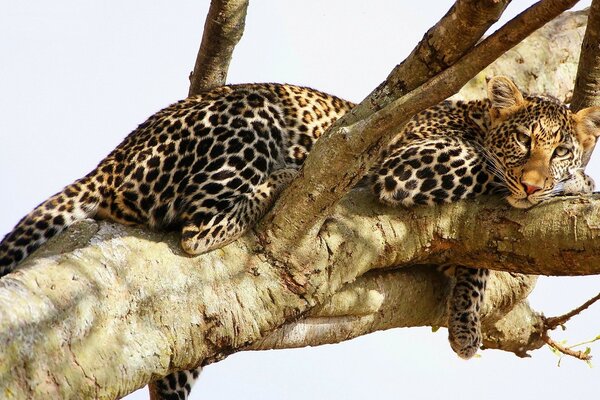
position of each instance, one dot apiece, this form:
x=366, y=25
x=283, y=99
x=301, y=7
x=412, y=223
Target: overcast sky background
x=76, y=77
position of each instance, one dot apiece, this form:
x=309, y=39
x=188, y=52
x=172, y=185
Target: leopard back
x=526, y=148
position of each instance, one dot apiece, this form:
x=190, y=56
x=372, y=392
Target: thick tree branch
x=354, y=149
x=223, y=29
x=414, y=296
x=587, y=84
x=448, y=40
x=109, y=310
x=112, y=324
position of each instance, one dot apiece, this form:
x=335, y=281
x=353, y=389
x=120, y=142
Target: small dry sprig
x=561, y=348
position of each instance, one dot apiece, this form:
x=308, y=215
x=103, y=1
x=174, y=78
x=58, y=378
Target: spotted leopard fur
x=212, y=164
x=527, y=149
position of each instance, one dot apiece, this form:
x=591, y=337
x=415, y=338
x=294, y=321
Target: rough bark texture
x=106, y=317
x=587, y=85
x=353, y=149
x=414, y=296
x=97, y=312
x=223, y=29
x=555, y=49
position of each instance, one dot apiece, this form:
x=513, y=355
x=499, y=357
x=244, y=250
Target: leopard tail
x=75, y=202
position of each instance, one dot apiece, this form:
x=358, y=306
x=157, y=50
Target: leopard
x=527, y=149
x=211, y=165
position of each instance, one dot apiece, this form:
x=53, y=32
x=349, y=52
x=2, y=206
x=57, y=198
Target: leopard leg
x=431, y=171
x=578, y=182
x=208, y=228
x=464, y=307
x=175, y=386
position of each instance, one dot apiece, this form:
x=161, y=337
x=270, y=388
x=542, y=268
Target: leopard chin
x=522, y=203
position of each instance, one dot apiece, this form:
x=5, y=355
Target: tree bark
x=223, y=29
x=87, y=317
x=555, y=48
x=353, y=149
x=413, y=296
x=587, y=85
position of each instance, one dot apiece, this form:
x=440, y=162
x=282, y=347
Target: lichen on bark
x=98, y=312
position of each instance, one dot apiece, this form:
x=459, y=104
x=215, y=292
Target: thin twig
x=580, y=355
x=552, y=322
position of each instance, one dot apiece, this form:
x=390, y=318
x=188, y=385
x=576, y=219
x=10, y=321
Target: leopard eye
x=524, y=139
x=561, y=151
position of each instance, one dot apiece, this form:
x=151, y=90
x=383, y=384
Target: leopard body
x=212, y=164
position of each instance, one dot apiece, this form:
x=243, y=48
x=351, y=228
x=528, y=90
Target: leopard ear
x=587, y=124
x=503, y=94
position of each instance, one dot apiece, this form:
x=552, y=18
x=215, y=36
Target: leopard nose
x=530, y=188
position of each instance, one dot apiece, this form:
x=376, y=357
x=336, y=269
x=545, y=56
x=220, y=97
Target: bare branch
x=353, y=149
x=448, y=40
x=587, y=84
x=580, y=355
x=104, y=318
x=223, y=29
x=553, y=322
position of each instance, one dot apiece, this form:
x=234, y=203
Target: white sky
x=76, y=77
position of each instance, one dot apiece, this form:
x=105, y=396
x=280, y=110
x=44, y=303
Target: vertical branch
x=223, y=29
x=587, y=83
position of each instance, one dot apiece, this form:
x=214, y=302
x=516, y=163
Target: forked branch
x=328, y=175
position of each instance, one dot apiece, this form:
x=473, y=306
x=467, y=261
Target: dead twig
x=554, y=322
x=581, y=355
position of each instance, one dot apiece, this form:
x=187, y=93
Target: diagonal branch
x=448, y=40
x=353, y=149
x=553, y=322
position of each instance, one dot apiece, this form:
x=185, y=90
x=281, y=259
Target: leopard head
x=537, y=146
